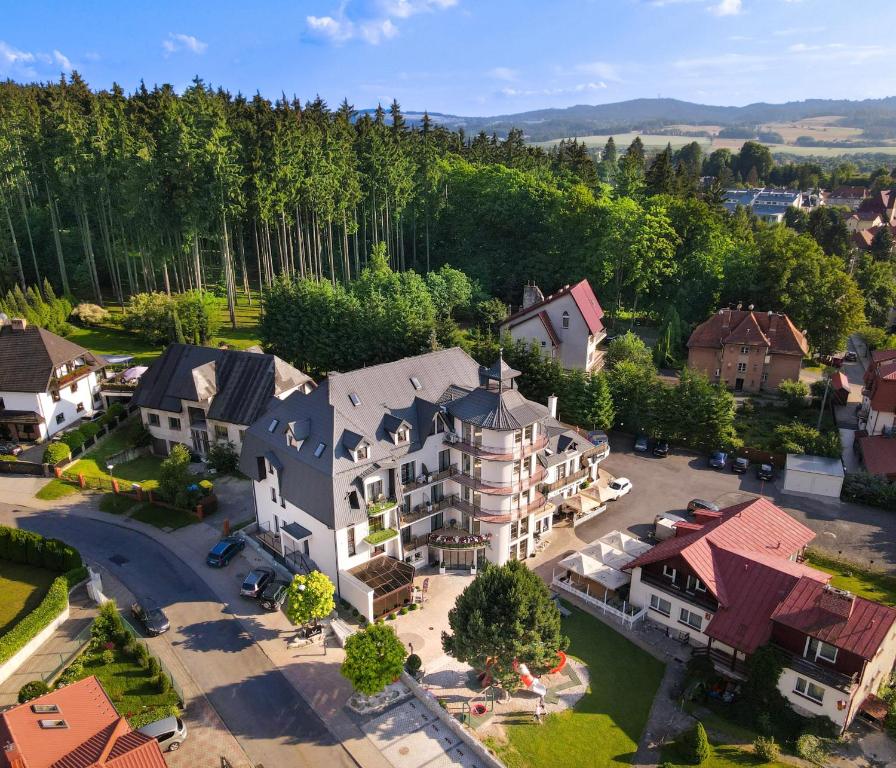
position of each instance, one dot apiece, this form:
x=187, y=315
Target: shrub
x=163, y=683
x=114, y=411
x=222, y=457
x=152, y=714
x=794, y=393
x=696, y=745
x=55, y=453
x=174, y=476
x=90, y=429
x=413, y=607
x=403, y=611
x=413, y=664
x=811, y=748
x=865, y=488
x=32, y=690
x=766, y=748
x=129, y=648
x=143, y=656
x=8, y=457
x=73, y=439
x=108, y=657
x=153, y=666
x=390, y=617
x=90, y=314
x=354, y=611
x=74, y=672
x=797, y=437
x=107, y=624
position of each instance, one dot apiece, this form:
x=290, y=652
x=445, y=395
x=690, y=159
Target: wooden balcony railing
x=422, y=511
x=493, y=453
x=500, y=487
x=429, y=479
x=564, y=481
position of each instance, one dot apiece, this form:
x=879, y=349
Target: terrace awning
x=384, y=575
x=21, y=417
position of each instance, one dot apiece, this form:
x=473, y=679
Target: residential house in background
x=427, y=460
x=47, y=383
x=567, y=325
x=197, y=396
x=846, y=197
x=767, y=204
x=746, y=350
x=731, y=582
x=76, y=725
x=879, y=209
x=878, y=409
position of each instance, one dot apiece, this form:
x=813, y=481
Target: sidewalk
x=64, y=644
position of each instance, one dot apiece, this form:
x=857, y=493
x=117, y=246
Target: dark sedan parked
x=255, y=582
x=765, y=472
x=274, y=595
x=642, y=444
x=661, y=448
x=718, y=459
x=741, y=464
x=224, y=551
x=153, y=618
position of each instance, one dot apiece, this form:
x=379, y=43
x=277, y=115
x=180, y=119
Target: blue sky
x=469, y=57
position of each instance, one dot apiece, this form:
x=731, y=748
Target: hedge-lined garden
x=18, y=546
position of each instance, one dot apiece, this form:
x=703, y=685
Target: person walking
x=539, y=711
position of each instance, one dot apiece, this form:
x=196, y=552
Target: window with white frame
x=669, y=572
x=363, y=452
x=79, y=407
x=351, y=541
x=745, y=350
x=152, y=419
x=274, y=495
x=173, y=423
x=741, y=367
x=695, y=585
x=564, y=319
x=816, y=649
x=809, y=690
x=403, y=435
x=660, y=605
x=692, y=619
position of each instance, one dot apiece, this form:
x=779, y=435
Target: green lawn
x=22, y=587
x=757, y=428
x=604, y=727
x=872, y=585
x=721, y=757
x=162, y=517
x=116, y=504
x=56, y=489
x=130, y=687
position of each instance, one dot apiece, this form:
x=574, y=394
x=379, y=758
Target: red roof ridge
x=584, y=298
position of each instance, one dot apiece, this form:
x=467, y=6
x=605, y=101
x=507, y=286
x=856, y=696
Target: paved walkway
x=54, y=654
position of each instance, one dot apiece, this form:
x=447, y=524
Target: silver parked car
x=170, y=732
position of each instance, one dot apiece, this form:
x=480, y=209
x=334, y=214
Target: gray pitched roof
x=29, y=357
x=561, y=439
x=242, y=384
x=320, y=485
x=500, y=410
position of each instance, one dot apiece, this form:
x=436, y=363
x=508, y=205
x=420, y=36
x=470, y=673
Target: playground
x=596, y=702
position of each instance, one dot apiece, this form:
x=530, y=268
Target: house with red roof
x=874, y=211
x=732, y=581
x=747, y=351
x=566, y=324
x=878, y=409
x=76, y=726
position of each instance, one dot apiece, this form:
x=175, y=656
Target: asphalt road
x=274, y=725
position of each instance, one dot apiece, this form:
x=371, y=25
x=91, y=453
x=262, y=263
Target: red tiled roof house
x=73, y=727
x=747, y=351
x=878, y=410
x=567, y=324
x=731, y=583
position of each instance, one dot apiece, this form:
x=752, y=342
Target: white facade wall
x=61, y=414
x=639, y=595
x=879, y=421
x=828, y=707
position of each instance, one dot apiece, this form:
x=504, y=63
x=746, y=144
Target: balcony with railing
x=701, y=599
x=455, y=538
x=571, y=478
x=380, y=506
x=78, y=373
x=824, y=674
x=421, y=481
x=500, y=487
x=423, y=511
x=495, y=453
x=495, y=516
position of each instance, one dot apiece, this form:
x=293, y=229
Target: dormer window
x=403, y=435
x=565, y=320
x=816, y=649
x=362, y=452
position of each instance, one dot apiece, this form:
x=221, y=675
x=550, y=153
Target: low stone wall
x=8, y=669
x=462, y=732
x=24, y=468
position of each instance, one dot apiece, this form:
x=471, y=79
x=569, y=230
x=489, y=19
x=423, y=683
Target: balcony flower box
x=380, y=537
x=378, y=507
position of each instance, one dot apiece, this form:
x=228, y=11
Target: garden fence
x=628, y=615
x=64, y=660
x=174, y=684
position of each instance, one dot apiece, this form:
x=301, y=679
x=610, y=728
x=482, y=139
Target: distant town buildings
x=768, y=204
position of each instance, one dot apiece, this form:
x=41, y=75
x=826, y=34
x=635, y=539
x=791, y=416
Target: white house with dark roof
x=47, y=383
x=197, y=396
x=427, y=460
x=567, y=325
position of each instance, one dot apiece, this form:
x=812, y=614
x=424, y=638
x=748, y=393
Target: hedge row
x=29, y=627
x=865, y=488
x=20, y=546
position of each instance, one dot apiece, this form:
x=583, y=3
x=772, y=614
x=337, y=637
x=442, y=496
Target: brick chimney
x=838, y=602
x=726, y=318
x=772, y=323
x=531, y=295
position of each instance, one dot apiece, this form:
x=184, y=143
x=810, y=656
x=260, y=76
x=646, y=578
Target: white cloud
x=602, y=69
x=727, y=8
x=503, y=73
x=62, y=60
x=18, y=63
x=339, y=28
x=10, y=55
x=577, y=88
x=177, y=41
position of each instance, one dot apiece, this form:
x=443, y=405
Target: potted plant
x=413, y=665
x=441, y=568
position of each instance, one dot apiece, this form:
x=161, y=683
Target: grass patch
x=724, y=756
x=56, y=489
x=131, y=688
x=143, y=470
x=878, y=586
x=756, y=427
x=115, y=504
x=604, y=727
x=22, y=587
x=161, y=517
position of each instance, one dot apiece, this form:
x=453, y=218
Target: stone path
x=64, y=645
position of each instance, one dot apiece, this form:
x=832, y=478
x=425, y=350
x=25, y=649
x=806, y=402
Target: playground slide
x=530, y=681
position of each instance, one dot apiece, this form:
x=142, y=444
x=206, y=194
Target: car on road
x=255, y=582
x=618, y=487
x=661, y=448
x=169, y=732
x=741, y=464
x=850, y=356
x=765, y=472
x=642, y=444
x=10, y=449
x=153, y=618
x=274, y=595
x=224, y=551
x=695, y=504
x=718, y=459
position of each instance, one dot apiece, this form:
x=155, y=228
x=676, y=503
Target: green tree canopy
x=374, y=657
x=310, y=598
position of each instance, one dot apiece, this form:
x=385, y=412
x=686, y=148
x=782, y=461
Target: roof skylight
x=356, y=401
x=319, y=451
x=416, y=382
x=273, y=425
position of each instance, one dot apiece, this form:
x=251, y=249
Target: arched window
x=566, y=319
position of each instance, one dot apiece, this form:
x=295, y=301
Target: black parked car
x=661, y=448
x=153, y=618
x=255, y=582
x=718, y=459
x=765, y=472
x=642, y=444
x=274, y=595
x=740, y=465
x=850, y=356
x=224, y=551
